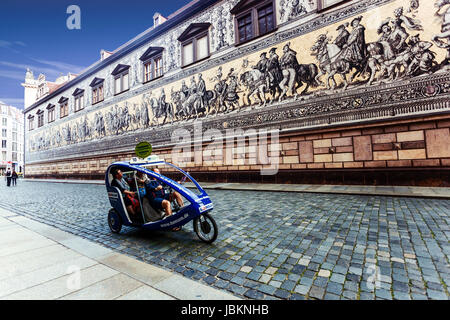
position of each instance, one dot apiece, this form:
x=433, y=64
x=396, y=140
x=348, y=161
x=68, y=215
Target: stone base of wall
x=412, y=152
x=422, y=177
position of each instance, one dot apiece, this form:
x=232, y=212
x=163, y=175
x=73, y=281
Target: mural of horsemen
x=350, y=54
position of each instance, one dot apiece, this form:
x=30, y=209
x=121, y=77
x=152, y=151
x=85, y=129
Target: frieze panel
x=362, y=61
x=431, y=94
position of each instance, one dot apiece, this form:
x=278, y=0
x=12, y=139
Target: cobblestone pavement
x=275, y=245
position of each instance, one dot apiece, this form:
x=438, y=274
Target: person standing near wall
x=8, y=178
x=14, y=176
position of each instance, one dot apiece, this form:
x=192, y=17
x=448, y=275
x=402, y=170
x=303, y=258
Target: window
x=245, y=28
x=63, y=110
x=153, y=63
x=265, y=19
x=4, y=122
x=3, y=143
x=14, y=136
x=14, y=146
x=188, y=54
x=40, y=116
x=78, y=100
x=63, y=107
x=202, y=49
x=253, y=19
x=97, y=94
x=97, y=90
x=4, y=133
x=41, y=90
x=148, y=71
x=50, y=113
x=79, y=103
x=121, y=79
x=195, y=43
x=153, y=69
x=4, y=155
x=121, y=83
x=30, y=123
x=325, y=4
x=14, y=156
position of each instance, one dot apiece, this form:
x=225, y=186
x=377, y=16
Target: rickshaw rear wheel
x=114, y=222
x=206, y=228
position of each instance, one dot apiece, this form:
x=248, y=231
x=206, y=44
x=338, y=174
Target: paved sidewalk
x=395, y=191
x=45, y=263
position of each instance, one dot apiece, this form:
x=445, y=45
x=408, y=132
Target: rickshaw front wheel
x=114, y=222
x=206, y=228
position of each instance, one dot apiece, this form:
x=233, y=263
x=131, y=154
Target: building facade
x=357, y=92
x=12, y=147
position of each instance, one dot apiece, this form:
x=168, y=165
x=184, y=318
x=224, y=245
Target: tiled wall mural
x=396, y=41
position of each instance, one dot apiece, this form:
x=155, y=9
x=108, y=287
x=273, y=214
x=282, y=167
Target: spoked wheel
x=206, y=228
x=114, y=222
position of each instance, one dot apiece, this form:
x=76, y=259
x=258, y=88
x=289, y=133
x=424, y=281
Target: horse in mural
x=160, y=109
x=306, y=74
x=331, y=62
x=125, y=118
x=193, y=105
x=256, y=85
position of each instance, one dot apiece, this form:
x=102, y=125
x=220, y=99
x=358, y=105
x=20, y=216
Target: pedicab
x=197, y=208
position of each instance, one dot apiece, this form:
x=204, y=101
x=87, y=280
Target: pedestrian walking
x=8, y=178
x=14, y=176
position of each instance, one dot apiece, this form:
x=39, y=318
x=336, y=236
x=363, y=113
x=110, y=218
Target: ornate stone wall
x=364, y=61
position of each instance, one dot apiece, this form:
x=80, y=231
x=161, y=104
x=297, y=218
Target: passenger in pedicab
x=159, y=199
x=142, y=180
x=129, y=197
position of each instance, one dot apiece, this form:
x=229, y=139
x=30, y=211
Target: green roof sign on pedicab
x=143, y=149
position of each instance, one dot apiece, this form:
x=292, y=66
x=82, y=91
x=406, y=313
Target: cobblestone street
x=275, y=245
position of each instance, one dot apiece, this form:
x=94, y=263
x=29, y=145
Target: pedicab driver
x=159, y=199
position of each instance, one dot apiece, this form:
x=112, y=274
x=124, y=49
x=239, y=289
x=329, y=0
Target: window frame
x=193, y=33
x=30, y=123
x=121, y=77
x=119, y=72
x=96, y=85
x=96, y=94
x=80, y=100
x=193, y=40
x=64, y=106
x=40, y=118
x=152, y=71
x=253, y=11
x=51, y=113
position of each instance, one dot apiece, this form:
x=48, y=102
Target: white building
x=12, y=138
x=36, y=89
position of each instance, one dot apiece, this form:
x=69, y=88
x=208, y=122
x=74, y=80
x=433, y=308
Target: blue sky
x=34, y=34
